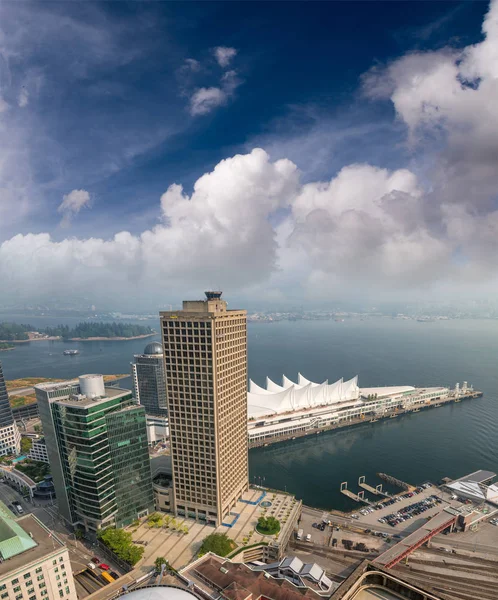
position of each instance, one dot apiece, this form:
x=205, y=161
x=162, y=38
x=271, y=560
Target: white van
x=299, y=535
x=308, y=537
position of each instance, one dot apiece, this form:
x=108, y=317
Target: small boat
x=417, y=410
x=374, y=420
x=71, y=352
x=457, y=400
x=393, y=416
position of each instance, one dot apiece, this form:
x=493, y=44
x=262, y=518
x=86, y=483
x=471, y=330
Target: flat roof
x=83, y=401
x=45, y=545
x=477, y=476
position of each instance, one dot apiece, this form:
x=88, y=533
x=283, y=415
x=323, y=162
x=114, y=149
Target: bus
x=106, y=577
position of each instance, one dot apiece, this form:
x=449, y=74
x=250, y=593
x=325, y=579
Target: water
x=449, y=441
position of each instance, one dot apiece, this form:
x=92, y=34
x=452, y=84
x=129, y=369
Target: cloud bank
x=252, y=224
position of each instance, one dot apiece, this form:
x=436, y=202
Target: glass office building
x=149, y=386
x=97, y=446
x=10, y=438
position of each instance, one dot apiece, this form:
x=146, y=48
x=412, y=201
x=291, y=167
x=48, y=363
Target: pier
x=366, y=418
x=359, y=497
x=397, y=482
x=377, y=491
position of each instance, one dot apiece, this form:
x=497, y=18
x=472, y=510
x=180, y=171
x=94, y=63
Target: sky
x=287, y=153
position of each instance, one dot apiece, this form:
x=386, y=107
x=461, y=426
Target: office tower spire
x=205, y=356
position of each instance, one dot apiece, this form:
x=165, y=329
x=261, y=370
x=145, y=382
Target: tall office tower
x=10, y=438
x=97, y=448
x=149, y=387
x=34, y=562
x=205, y=356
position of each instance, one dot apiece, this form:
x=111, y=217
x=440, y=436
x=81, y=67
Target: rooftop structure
x=96, y=442
x=10, y=438
x=34, y=562
x=476, y=486
x=238, y=581
x=300, y=574
x=205, y=356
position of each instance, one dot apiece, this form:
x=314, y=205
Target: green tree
x=120, y=542
x=219, y=543
x=268, y=525
x=37, y=428
x=159, y=562
x=26, y=444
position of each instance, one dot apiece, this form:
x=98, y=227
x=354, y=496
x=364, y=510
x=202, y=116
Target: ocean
x=452, y=440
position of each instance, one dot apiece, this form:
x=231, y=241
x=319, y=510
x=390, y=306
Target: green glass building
x=96, y=441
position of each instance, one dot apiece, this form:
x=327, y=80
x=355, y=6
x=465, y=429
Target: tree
x=120, y=542
x=268, y=525
x=37, y=428
x=26, y=444
x=219, y=543
x=159, y=562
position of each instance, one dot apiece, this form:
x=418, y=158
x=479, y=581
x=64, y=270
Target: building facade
x=149, y=388
x=10, y=438
x=34, y=562
x=205, y=356
x=96, y=442
x=38, y=451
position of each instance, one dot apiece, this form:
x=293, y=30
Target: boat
x=374, y=420
x=71, y=352
x=417, y=410
x=393, y=416
x=457, y=400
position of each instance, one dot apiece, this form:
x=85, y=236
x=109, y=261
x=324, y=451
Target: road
x=8, y=495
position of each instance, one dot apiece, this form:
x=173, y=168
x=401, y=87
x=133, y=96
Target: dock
x=359, y=497
x=377, y=491
x=397, y=482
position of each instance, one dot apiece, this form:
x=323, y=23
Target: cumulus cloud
x=224, y=55
x=71, y=205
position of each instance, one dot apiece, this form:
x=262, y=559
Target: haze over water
x=448, y=441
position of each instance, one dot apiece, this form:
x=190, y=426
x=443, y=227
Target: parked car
x=91, y=565
x=104, y=567
x=96, y=560
x=114, y=574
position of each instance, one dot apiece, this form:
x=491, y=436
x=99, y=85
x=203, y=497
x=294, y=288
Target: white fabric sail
x=286, y=382
x=254, y=388
x=273, y=387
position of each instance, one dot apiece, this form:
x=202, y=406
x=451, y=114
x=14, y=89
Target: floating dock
x=377, y=491
x=359, y=497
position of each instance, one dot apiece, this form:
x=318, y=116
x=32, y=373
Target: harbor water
x=448, y=441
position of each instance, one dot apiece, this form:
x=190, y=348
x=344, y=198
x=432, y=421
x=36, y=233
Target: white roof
x=290, y=397
x=160, y=592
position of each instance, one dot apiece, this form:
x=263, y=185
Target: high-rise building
x=34, y=562
x=10, y=438
x=205, y=357
x=96, y=443
x=149, y=387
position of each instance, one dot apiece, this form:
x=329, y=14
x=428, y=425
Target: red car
x=104, y=567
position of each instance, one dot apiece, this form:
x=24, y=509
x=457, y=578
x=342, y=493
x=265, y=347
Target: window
x=2, y=587
x=14, y=581
x=29, y=583
x=5, y=595
x=19, y=597
x=17, y=588
x=32, y=598
x=54, y=562
x=61, y=559
x=56, y=570
x=31, y=591
x=40, y=578
x=39, y=570
x=67, y=589
x=27, y=575
x=61, y=593
x=58, y=577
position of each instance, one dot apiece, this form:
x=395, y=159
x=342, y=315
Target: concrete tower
x=205, y=357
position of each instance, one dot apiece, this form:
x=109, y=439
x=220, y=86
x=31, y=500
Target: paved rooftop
x=45, y=545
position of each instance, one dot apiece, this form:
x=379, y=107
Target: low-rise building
x=34, y=561
x=39, y=451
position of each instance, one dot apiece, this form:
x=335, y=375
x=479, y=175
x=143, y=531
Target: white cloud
x=23, y=98
x=204, y=100
x=224, y=55
x=71, y=205
x=192, y=64
x=3, y=105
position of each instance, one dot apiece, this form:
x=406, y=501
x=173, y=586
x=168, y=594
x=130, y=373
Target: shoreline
x=111, y=339
x=91, y=339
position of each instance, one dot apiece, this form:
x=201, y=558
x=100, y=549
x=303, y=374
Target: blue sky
x=104, y=106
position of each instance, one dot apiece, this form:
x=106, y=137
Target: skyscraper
x=97, y=447
x=205, y=356
x=148, y=380
x=10, y=438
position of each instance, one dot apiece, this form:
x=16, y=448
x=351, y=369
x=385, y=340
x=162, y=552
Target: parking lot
x=408, y=504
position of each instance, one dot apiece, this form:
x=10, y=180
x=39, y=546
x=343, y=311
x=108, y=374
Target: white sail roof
x=290, y=396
